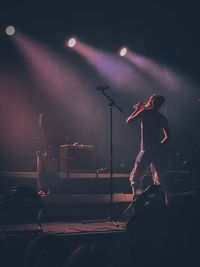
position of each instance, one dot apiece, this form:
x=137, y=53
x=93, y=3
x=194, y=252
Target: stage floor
x=65, y=228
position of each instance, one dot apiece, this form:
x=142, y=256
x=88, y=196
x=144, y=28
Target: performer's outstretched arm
x=139, y=108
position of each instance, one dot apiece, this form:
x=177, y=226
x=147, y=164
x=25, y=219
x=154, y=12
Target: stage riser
x=177, y=183
x=96, y=186
x=79, y=209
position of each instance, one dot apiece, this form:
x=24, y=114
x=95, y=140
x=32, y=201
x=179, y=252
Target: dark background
x=167, y=34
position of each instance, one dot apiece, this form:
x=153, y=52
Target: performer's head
x=156, y=101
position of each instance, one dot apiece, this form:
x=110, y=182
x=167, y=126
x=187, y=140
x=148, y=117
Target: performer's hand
x=138, y=106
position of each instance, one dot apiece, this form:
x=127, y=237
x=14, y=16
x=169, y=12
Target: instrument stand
x=130, y=209
x=110, y=105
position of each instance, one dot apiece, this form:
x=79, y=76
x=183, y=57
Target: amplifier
x=77, y=158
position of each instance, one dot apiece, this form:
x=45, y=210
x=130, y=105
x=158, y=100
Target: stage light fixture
x=123, y=51
x=10, y=30
x=71, y=42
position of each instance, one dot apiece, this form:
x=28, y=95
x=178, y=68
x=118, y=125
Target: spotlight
x=71, y=42
x=123, y=51
x=10, y=30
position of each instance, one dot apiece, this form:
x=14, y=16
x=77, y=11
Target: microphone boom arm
x=112, y=102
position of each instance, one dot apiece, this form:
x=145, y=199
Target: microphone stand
x=110, y=105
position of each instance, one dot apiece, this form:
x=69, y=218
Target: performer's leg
x=159, y=178
x=135, y=180
x=137, y=173
x=155, y=175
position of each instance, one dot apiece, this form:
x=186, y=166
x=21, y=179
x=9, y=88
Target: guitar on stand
x=42, y=157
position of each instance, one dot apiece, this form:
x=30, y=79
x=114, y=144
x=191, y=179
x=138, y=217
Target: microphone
x=102, y=88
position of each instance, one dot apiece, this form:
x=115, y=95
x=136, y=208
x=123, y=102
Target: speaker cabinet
x=77, y=158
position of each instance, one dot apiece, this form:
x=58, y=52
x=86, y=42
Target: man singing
x=155, y=134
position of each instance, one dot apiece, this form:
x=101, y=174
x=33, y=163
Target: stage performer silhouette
x=155, y=134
